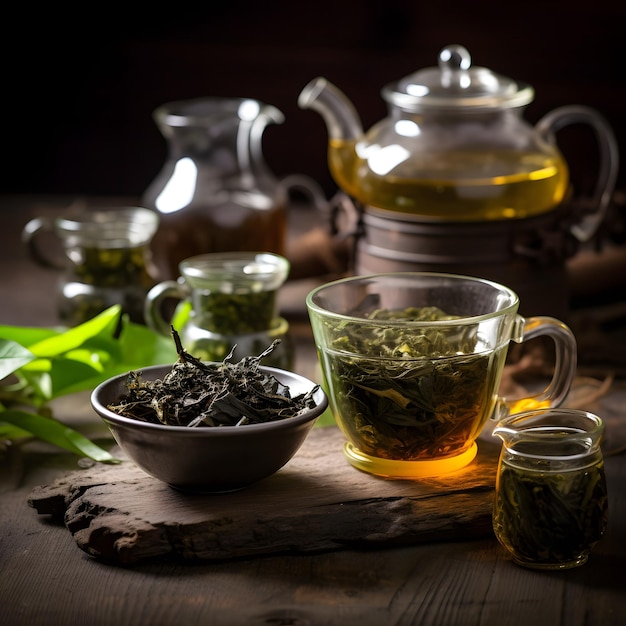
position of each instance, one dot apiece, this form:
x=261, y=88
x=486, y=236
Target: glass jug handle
x=31, y=235
x=154, y=304
x=609, y=160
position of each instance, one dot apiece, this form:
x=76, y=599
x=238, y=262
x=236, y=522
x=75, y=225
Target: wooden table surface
x=45, y=579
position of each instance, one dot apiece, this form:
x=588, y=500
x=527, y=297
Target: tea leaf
x=49, y=363
x=409, y=392
x=550, y=517
x=194, y=393
x=12, y=357
x=54, y=432
x=26, y=335
x=61, y=342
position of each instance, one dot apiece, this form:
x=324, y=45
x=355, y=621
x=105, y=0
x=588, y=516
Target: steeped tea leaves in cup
x=411, y=396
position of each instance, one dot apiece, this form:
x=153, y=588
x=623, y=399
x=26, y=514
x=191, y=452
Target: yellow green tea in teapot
x=462, y=185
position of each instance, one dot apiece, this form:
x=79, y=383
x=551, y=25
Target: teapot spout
x=341, y=118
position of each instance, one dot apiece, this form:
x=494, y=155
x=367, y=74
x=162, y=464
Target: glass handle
x=31, y=237
x=548, y=125
x=153, y=306
x=564, y=367
x=306, y=186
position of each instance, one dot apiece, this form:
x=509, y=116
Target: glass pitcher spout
x=556, y=429
x=507, y=435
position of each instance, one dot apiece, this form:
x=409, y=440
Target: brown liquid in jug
x=500, y=185
x=229, y=227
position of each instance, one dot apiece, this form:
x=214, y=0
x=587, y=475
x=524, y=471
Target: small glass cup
x=412, y=362
x=106, y=257
x=551, y=505
x=226, y=301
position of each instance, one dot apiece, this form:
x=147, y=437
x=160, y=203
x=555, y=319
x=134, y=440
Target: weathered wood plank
x=317, y=502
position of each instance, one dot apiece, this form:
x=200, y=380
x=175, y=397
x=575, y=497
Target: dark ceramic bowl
x=208, y=459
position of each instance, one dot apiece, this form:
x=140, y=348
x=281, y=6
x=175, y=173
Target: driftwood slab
x=317, y=502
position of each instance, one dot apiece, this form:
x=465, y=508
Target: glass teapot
x=455, y=147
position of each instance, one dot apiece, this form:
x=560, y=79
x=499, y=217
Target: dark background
x=80, y=86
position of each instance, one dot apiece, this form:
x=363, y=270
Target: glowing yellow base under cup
x=408, y=469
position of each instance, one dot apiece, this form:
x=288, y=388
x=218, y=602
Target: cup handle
x=154, y=304
x=564, y=367
x=31, y=237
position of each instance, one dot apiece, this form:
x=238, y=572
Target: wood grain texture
x=317, y=502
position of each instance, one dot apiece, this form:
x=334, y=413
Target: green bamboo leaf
x=58, y=434
x=95, y=360
x=52, y=378
x=106, y=323
x=12, y=432
x=182, y=314
x=25, y=335
x=141, y=346
x=39, y=383
x=51, y=363
x=12, y=357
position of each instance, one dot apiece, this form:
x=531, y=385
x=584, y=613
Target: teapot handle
x=303, y=184
x=557, y=119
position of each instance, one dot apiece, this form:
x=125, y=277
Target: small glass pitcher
x=226, y=301
x=551, y=505
x=106, y=257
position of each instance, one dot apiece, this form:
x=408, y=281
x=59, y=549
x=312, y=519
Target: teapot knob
x=454, y=58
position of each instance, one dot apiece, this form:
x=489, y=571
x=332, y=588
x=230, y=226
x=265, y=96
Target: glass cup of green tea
x=105, y=254
x=412, y=364
x=551, y=505
x=227, y=307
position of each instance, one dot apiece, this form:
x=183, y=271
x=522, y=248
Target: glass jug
x=106, y=257
x=551, y=504
x=226, y=301
x=413, y=362
x=215, y=192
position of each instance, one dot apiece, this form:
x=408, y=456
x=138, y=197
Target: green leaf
x=58, y=434
x=141, y=346
x=65, y=375
x=106, y=322
x=10, y=431
x=12, y=357
x=392, y=394
x=26, y=336
x=51, y=363
x=182, y=314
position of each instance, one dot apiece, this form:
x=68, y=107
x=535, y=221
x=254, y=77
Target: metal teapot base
x=527, y=255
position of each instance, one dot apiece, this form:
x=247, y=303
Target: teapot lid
x=455, y=85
